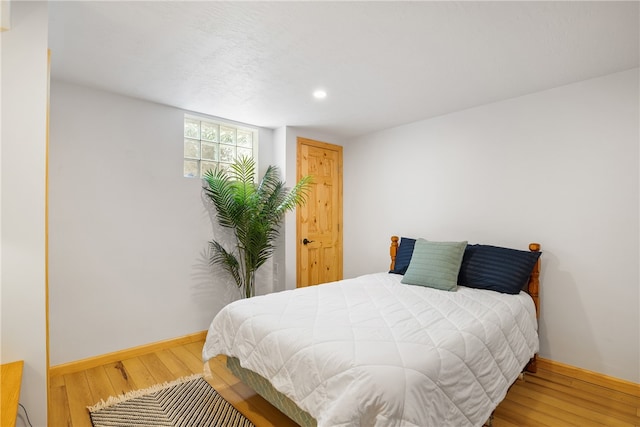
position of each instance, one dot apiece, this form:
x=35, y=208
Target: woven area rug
x=188, y=401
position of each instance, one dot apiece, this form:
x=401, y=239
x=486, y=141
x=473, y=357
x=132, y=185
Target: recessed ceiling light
x=319, y=94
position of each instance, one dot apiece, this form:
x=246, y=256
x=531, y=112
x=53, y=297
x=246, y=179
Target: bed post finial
x=393, y=250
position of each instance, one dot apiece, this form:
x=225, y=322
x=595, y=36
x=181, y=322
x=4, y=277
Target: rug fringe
x=114, y=400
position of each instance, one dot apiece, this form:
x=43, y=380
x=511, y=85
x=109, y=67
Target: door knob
x=305, y=241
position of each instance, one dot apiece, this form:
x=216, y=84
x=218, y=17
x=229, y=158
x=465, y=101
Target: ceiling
x=382, y=63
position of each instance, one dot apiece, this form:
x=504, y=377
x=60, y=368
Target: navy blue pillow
x=403, y=256
x=497, y=269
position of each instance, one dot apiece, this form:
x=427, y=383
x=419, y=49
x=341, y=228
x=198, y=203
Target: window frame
x=218, y=124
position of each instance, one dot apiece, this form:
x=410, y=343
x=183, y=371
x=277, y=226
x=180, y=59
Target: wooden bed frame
x=533, y=288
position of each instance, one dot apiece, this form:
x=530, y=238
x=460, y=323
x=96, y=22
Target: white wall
x=24, y=107
x=559, y=167
x=128, y=233
x=279, y=255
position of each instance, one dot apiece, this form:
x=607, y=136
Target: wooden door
x=319, y=222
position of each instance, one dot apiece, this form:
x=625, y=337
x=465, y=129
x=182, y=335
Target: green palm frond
x=298, y=195
x=228, y=261
x=253, y=211
x=221, y=192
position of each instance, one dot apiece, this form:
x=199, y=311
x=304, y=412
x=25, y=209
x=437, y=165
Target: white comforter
x=371, y=351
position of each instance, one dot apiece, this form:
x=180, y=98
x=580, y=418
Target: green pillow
x=435, y=264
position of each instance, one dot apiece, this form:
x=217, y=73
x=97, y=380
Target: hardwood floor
x=543, y=399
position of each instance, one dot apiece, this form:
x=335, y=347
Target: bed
x=379, y=350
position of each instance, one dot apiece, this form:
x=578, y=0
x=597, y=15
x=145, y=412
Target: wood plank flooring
x=542, y=399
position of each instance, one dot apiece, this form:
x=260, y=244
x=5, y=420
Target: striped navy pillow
x=403, y=256
x=495, y=268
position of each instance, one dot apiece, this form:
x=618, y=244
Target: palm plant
x=254, y=211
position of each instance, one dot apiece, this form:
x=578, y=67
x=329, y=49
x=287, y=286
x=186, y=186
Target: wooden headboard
x=533, y=287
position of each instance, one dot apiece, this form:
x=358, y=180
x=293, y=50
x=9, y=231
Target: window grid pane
x=191, y=168
x=244, y=152
x=227, y=153
x=191, y=149
x=209, y=132
x=192, y=129
x=245, y=139
x=227, y=135
x=205, y=166
x=209, y=151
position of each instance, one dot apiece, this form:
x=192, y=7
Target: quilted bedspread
x=371, y=351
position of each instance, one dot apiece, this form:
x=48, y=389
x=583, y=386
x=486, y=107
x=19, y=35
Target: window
x=209, y=144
